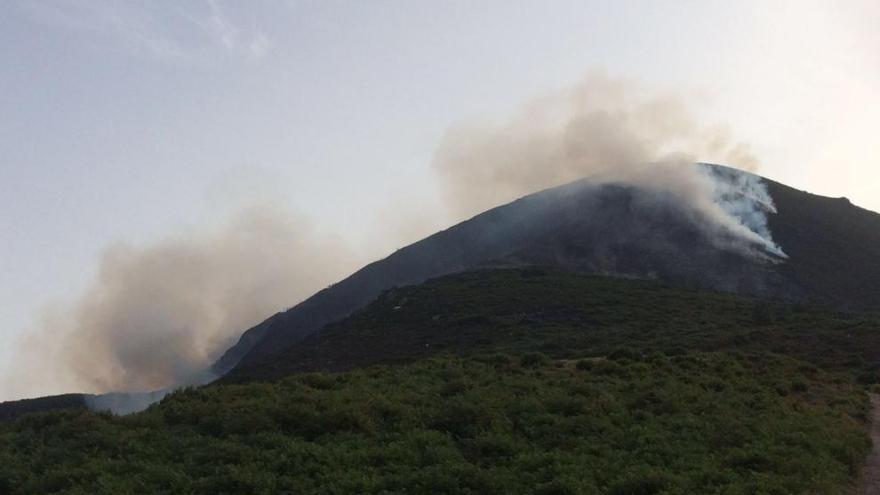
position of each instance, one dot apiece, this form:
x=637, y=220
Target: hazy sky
x=132, y=121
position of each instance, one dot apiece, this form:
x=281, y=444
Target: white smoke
x=745, y=197
x=609, y=131
x=157, y=316
x=125, y=403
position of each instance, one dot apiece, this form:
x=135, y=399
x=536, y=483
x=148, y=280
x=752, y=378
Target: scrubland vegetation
x=498, y=382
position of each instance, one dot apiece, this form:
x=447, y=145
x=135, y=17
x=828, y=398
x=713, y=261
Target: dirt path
x=871, y=475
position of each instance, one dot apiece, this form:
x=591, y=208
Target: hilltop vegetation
x=503, y=381
x=568, y=316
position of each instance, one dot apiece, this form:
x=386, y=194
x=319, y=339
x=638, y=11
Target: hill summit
x=806, y=248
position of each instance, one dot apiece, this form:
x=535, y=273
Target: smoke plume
x=608, y=130
x=157, y=316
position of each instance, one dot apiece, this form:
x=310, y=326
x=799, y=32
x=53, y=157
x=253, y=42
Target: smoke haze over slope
x=158, y=315
x=605, y=130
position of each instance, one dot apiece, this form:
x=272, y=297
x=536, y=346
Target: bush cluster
x=692, y=423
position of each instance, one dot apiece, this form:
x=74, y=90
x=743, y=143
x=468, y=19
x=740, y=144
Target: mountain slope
x=833, y=248
x=567, y=315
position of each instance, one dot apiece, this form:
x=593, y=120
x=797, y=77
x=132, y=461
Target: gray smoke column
x=609, y=131
x=744, y=197
x=157, y=316
x=125, y=403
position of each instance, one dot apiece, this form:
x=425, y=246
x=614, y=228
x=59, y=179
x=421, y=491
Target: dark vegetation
x=499, y=381
x=567, y=316
x=682, y=424
x=833, y=248
x=13, y=409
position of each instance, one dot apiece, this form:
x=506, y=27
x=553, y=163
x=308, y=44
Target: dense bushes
x=563, y=384
x=498, y=424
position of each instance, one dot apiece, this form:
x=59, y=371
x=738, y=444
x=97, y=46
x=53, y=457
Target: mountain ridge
x=567, y=233
x=833, y=252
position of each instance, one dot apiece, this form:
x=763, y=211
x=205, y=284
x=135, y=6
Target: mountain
x=585, y=339
x=832, y=248
x=833, y=253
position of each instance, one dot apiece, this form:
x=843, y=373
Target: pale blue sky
x=127, y=121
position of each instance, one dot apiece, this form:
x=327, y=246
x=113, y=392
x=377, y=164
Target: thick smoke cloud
x=609, y=131
x=158, y=315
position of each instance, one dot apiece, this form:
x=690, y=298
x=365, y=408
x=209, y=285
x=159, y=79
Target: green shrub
x=556, y=487
x=647, y=482
x=621, y=354
x=584, y=365
x=460, y=419
x=799, y=386
x=390, y=430
x=606, y=367
x=497, y=360
x=534, y=360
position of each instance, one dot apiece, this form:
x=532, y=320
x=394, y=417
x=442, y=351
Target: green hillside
x=696, y=423
x=509, y=381
x=568, y=316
